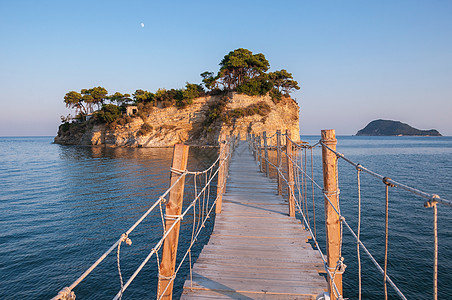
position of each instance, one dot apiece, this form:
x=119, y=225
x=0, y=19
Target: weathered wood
x=254, y=147
x=255, y=250
x=333, y=226
x=221, y=174
x=290, y=188
x=278, y=161
x=267, y=170
x=173, y=209
x=259, y=152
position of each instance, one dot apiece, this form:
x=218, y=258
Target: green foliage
x=209, y=80
x=145, y=129
x=236, y=68
x=119, y=98
x=94, y=96
x=215, y=110
x=240, y=70
x=190, y=92
x=141, y=96
x=276, y=95
x=108, y=114
x=75, y=100
x=239, y=66
x=283, y=81
x=64, y=127
x=260, y=108
x=257, y=86
x=167, y=98
x=245, y=72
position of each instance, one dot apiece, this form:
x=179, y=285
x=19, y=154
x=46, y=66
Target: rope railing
x=204, y=213
x=431, y=201
x=305, y=221
x=301, y=179
x=342, y=219
x=430, y=197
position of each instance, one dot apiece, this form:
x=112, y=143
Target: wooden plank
x=255, y=250
x=223, y=294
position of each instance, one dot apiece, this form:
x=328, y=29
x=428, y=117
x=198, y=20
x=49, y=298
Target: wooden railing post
x=267, y=171
x=253, y=137
x=259, y=153
x=173, y=209
x=221, y=174
x=278, y=160
x=290, y=188
x=333, y=226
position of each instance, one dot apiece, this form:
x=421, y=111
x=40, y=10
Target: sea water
x=61, y=207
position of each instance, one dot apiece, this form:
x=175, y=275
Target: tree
x=94, y=96
x=283, y=81
x=190, y=92
x=119, y=98
x=75, y=100
x=141, y=96
x=241, y=65
x=259, y=85
x=108, y=113
x=209, y=80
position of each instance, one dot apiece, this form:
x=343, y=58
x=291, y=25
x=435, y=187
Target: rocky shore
x=164, y=127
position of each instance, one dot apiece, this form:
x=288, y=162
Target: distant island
x=393, y=128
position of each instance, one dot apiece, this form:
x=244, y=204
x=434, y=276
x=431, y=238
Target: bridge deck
x=255, y=251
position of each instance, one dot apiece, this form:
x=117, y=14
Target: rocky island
x=242, y=98
x=393, y=128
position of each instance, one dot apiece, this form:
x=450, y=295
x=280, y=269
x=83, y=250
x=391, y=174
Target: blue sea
x=61, y=207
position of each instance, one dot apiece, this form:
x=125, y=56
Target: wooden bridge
x=256, y=251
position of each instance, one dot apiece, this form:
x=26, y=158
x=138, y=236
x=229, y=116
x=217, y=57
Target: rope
x=128, y=241
x=355, y=236
x=359, y=233
x=389, y=180
x=435, y=260
x=200, y=228
x=65, y=294
x=313, y=204
x=432, y=203
x=386, y=238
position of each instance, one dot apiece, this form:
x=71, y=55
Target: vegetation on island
x=393, y=128
x=240, y=71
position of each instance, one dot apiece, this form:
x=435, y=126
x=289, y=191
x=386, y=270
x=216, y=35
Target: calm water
x=421, y=162
x=61, y=207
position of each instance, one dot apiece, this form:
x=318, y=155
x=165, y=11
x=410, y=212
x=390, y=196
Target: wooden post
x=333, y=226
x=259, y=154
x=267, y=171
x=221, y=174
x=172, y=210
x=278, y=160
x=290, y=188
x=254, y=145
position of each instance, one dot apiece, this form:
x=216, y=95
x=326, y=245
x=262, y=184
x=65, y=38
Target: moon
x=142, y=25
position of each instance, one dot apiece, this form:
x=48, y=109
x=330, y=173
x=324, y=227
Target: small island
x=242, y=98
x=393, y=128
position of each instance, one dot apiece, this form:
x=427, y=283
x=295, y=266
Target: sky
x=355, y=61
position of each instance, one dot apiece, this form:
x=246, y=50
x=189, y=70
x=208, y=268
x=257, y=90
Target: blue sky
x=356, y=61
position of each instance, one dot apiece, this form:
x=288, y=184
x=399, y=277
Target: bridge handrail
x=430, y=197
x=67, y=293
x=342, y=219
x=431, y=200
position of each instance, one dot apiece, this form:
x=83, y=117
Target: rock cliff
x=164, y=127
